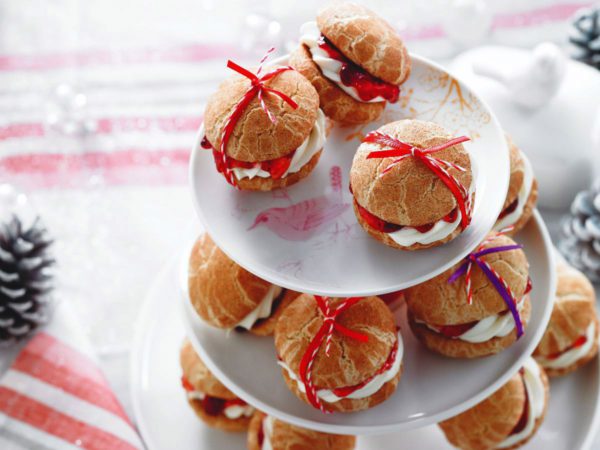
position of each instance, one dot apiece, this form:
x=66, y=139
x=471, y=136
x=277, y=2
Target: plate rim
x=189, y=317
x=257, y=269
x=594, y=429
x=143, y=332
x=137, y=351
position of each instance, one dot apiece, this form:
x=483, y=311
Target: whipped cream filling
x=536, y=394
x=231, y=412
x=497, y=325
x=522, y=197
x=312, y=144
x=571, y=356
x=329, y=67
x=263, y=310
x=196, y=395
x=367, y=390
x=236, y=411
x=407, y=236
x=267, y=429
x=303, y=154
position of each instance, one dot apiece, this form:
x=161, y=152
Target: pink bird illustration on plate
x=301, y=220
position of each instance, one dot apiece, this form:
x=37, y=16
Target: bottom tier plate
x=166, y=421
x=432, y=387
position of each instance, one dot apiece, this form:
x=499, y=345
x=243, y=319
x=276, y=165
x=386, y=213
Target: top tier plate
x=312, y=242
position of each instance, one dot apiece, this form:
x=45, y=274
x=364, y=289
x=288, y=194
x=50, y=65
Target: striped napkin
x=54, y=396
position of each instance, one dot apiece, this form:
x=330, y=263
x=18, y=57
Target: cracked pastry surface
x=441, y=317
x=571, y=338
x=255, y=137
x=350, y=362
x=507, y=419
x=225, y=295
x=267, y=433
x=224, y=411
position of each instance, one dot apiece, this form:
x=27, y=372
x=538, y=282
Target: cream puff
x=265, y=148
x=418, y=197
x=571, y=339
x=507, y=419
x=339, y=354
x=441, y=317
x=267, y=433
x=227, y=296
x=212, y=402
x=522, y=192
x=354, y=59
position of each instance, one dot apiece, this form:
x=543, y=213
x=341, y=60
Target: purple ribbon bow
x=498, y=282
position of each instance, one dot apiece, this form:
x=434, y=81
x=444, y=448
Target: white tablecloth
x=134, y=77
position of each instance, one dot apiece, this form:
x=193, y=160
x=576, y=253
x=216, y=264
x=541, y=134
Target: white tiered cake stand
x=166, y=421
x=306, y=237
x=323, y=250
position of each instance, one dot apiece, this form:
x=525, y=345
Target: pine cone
x=585, y=36
x=24, y=279
x=581, y=233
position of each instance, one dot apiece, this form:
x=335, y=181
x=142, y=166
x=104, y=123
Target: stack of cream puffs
x=268, y=433
x=441, y=317
x=260, y=154
x=408, y=206
x=522, y=192
x=354, y=59
x=227, y=296
x=571, y=339
x=354, y=375
x=212, y=402
x=508, y=419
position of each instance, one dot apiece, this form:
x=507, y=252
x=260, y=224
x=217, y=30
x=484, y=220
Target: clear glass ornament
x=15, y=203
x=66, y=111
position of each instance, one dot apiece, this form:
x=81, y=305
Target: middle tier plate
x=432, y=387
x=306, y=237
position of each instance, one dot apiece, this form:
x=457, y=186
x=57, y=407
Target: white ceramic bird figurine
x=532, y=84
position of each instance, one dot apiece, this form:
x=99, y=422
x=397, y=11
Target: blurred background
x=100, y=101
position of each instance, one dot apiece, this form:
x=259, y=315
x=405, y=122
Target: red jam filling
x=529, y=287
x=390, y=297
x=387, y=227
x=579, y=342
x=522, y=423
x=454, y=331
x=387, y=365
x=213, y=406
x=261, y=434
x=346, y=391
x=275, y=167
x=509, y=209
x=367, y=86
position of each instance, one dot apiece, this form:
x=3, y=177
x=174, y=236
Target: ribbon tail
x=506, y=296
x=458, y=273
x=387, y=154
x=448, y=144
x=503, y=248
x=281, y=95
x=452, y=185
x=375, y=137
x=242, y=71
x=351, y=333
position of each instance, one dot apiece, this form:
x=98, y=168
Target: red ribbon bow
x=402, y=150
x=257, y=88
x=325, y=333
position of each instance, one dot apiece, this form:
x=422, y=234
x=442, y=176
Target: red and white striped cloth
x=54, y=396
